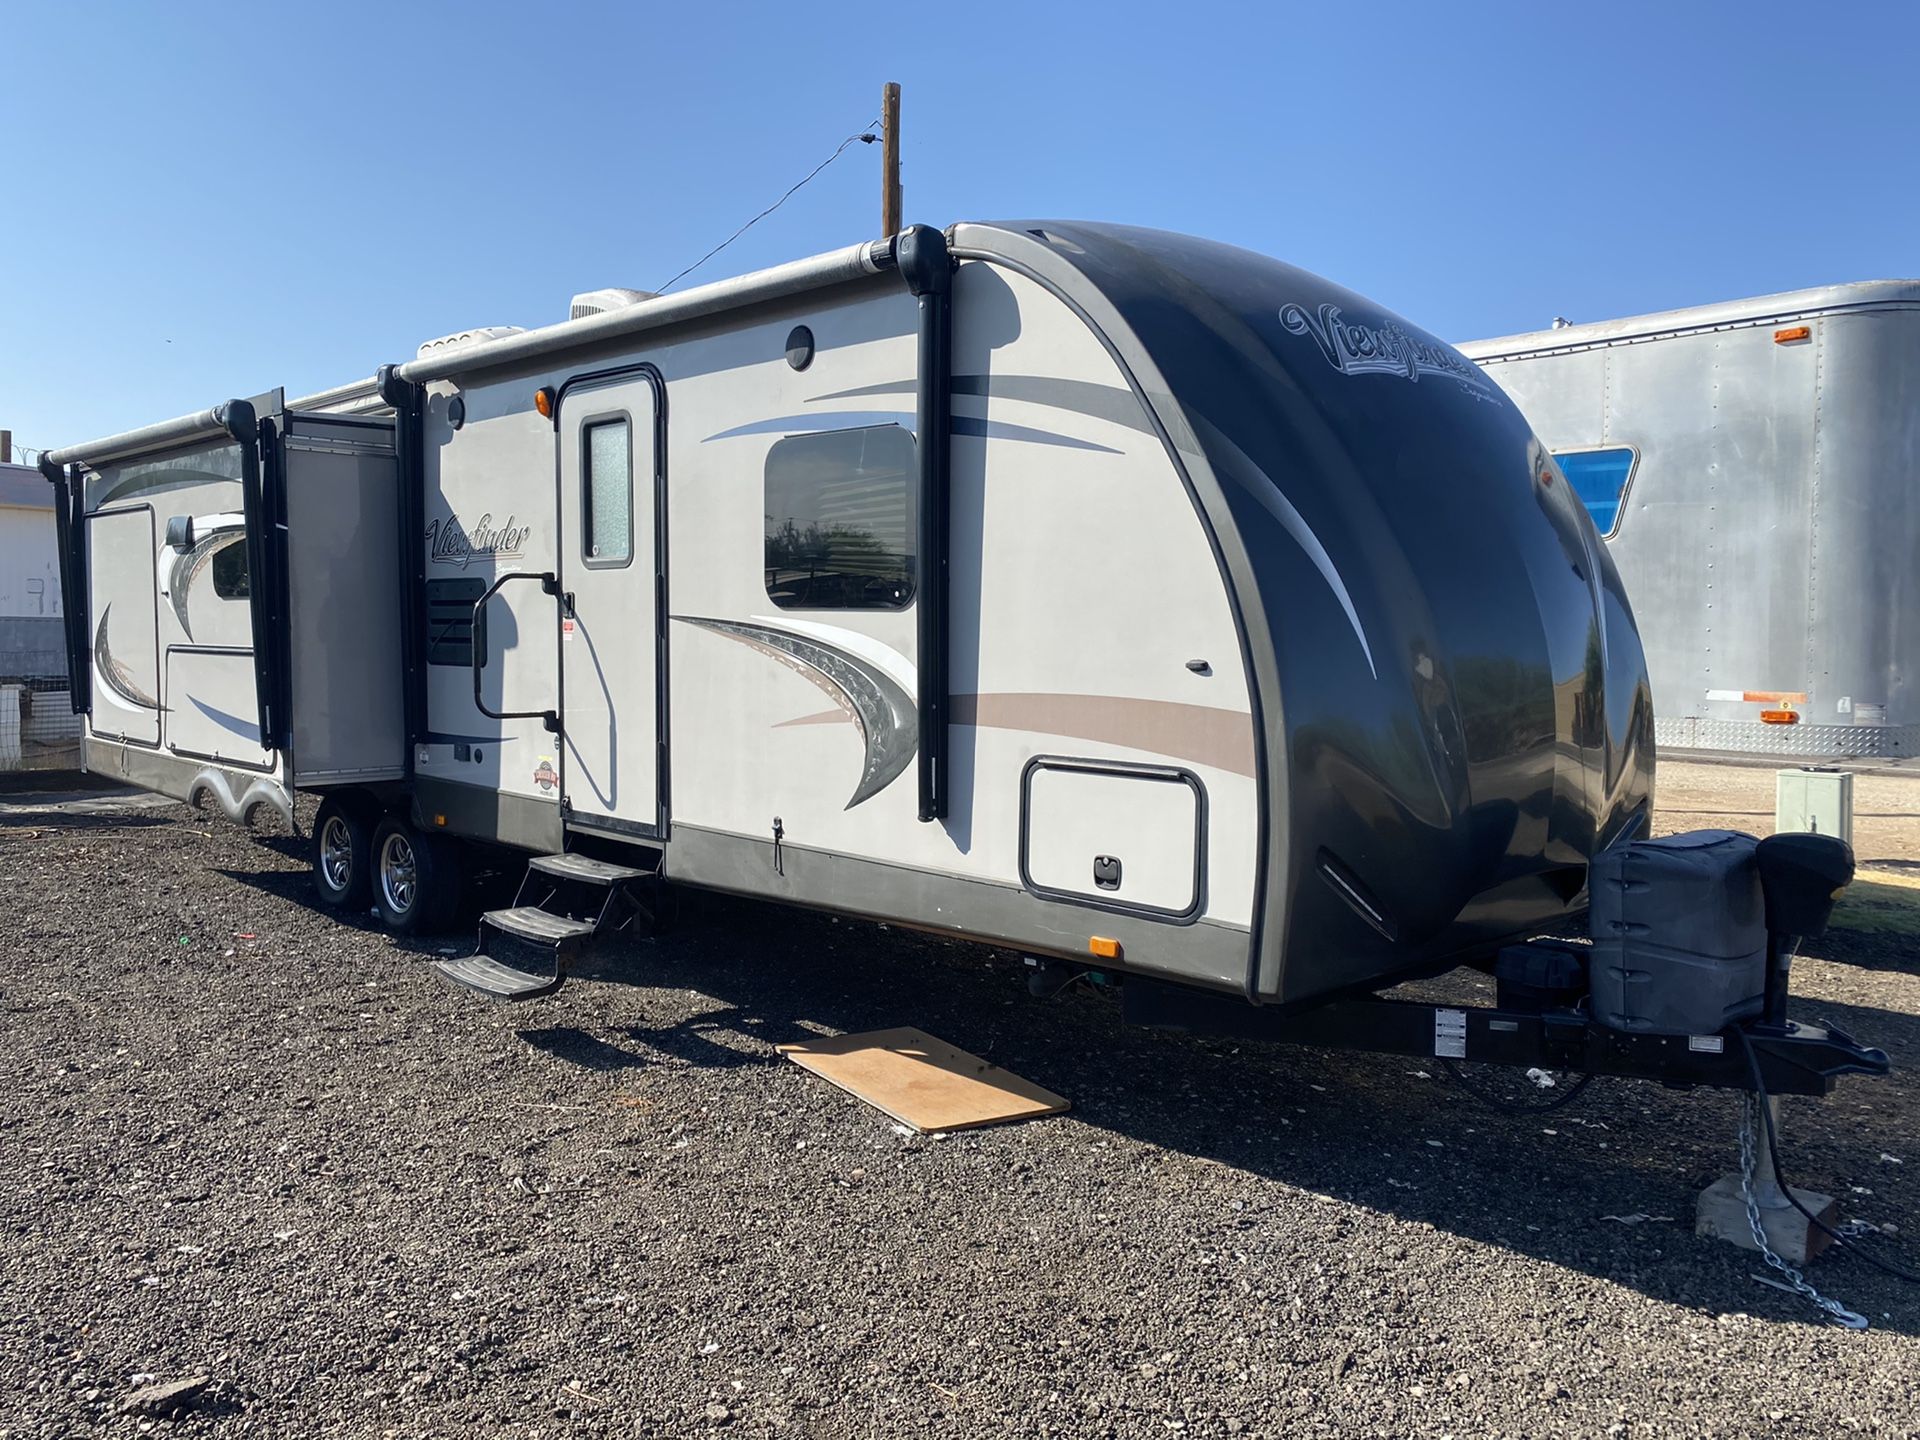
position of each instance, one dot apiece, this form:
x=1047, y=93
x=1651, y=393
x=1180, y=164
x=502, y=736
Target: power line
x=865, y=137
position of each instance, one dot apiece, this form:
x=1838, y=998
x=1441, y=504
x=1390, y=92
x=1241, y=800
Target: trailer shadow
x=1387, y=1134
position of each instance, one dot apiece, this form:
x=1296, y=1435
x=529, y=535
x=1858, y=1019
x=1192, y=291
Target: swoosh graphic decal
x=151, y=482
x=820, y=420
x=967, y=425
x=115, y=676
x=1197, y=734
x=884, y=712
x=245, y=729
x=1263, y=488
x=1079, y=397
x=188, y=565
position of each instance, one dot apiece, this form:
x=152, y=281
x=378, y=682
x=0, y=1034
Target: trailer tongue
x=1699, y=928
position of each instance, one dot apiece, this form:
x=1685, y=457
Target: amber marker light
x=543, y=401
x=1103, y=947
x=1780, y=717
x=1792, y=333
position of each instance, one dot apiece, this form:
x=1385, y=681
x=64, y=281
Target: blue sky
x=208, y=201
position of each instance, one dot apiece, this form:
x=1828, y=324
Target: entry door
x=612, y=440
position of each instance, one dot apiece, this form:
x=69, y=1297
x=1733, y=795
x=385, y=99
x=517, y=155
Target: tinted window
x=230, y=571
x=840, y=520
x=1599, y=478
x=606, y=460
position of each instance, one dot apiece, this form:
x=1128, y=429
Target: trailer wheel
x=416, y=878
x=343, y=853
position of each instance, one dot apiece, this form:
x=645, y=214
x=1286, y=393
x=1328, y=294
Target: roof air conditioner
x=463, y=339
x=614, y=297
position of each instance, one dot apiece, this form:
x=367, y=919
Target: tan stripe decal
x=1198, y=734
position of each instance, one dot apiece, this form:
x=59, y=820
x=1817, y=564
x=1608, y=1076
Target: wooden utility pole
x=890, y=160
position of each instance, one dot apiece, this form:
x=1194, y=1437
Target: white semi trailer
x=1754, y=469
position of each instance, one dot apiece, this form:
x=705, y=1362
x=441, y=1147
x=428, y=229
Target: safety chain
x=1750, y=1123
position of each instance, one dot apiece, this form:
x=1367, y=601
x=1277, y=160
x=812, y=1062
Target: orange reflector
x=1792, y=333
x=439, y=819
x=543, y=401
x=1103, y=947
x=1780, y=717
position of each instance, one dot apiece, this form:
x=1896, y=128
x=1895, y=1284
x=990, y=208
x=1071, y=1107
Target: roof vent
x=614, y=297
x=466, y=339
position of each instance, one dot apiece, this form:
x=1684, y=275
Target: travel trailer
x=1137, y=602
x=1754, y=468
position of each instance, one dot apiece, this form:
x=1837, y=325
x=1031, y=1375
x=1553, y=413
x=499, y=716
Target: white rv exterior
x=991, y=581
x=1755, y=471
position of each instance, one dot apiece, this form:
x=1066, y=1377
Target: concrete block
x=1721, y=1214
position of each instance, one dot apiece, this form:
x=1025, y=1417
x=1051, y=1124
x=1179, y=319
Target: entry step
x=585, y=867
x=502, y=982
x=542, y=927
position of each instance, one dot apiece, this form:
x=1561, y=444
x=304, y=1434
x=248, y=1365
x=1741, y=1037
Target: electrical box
x=1814, y=799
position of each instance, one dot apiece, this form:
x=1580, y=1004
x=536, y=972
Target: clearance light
x=543, y=401
x=1103, y=947
x=439, y=819
x=1792, y=333
x=1780, y=717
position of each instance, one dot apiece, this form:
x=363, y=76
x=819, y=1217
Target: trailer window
x=840, y=520
x=606, y=464
x=230, y=571
x=1599, y=478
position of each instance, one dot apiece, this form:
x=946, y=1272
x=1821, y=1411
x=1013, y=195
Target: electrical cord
x=1852, y=1243
x=1514, y=1107
x=865, y=137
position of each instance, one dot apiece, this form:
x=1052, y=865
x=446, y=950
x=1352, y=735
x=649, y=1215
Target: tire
x=343, y=853
x=415, y=878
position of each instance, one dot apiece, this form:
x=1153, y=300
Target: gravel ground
x=248, y=1142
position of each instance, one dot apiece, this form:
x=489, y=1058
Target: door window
x=606, y=467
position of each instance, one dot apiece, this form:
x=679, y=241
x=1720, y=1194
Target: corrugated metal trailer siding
x=1770, y=532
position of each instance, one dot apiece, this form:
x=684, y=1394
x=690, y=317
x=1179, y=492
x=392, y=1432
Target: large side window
x=1599, y=478
x=840, y=519
x=606, y=467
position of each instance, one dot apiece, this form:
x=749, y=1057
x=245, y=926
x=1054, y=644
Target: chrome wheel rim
x=399, y=876
x=336, y=852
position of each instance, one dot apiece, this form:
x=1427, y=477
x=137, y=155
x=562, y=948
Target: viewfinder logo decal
x=1354, y=348
x=449, y=543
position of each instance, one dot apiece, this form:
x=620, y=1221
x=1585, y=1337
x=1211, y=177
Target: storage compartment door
x=122, y=610
x=1123, y=837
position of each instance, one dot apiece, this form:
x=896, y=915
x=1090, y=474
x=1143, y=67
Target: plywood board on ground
x=923, y=1082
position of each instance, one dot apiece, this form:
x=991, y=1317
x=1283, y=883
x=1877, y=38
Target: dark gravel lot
x=247, y=1141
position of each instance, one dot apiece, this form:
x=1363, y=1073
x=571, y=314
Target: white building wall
x=29, y=563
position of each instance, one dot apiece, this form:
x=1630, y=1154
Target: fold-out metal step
x=584, y=868
x=502, y=982
x=563, y=890
x=540, y=927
